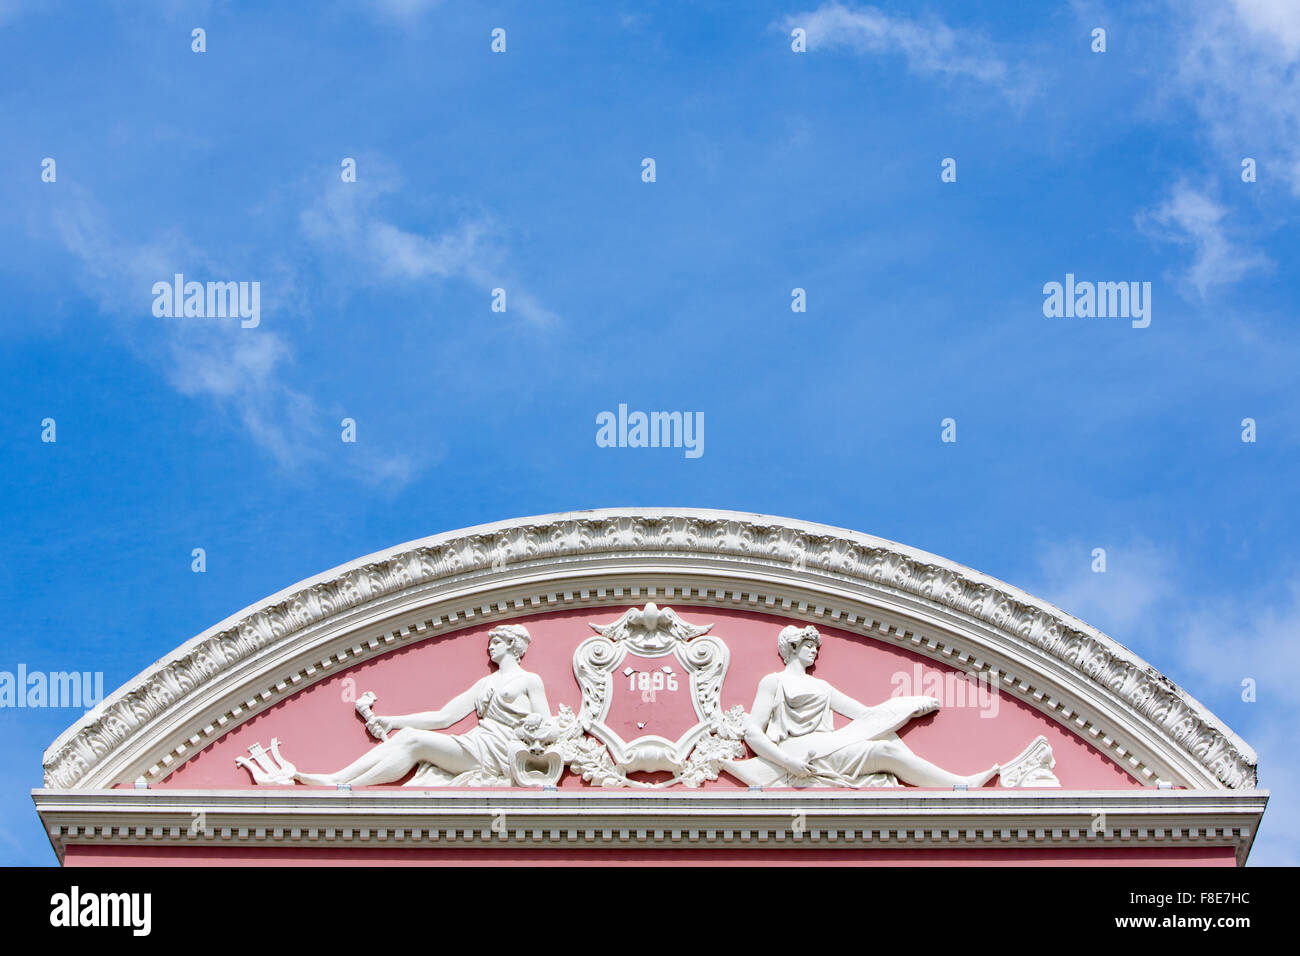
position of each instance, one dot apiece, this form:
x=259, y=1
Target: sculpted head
x=508, y=639
x=803, y=641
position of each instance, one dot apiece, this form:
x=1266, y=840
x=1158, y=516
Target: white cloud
x=343, y=222
x=1273, y=21
x=246, y=370
x=1258, y=637
x=1136, y=579
x=9, y=10
x=1239, y=64
x=930, y=47
x=242, y=370
x=1223, y=640
x=1208, y=643
x=1189, y=217
x=239, y=367
x=401, y=10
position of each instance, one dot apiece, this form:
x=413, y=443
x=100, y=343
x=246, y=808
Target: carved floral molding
x=818, y=554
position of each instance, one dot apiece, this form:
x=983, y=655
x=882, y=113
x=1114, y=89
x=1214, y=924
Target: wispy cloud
x=250, y=372
x=1136, y=579
x=1223, y=640
x=1208, y=642
x=930, y=47
x=241, y=368
x=9, y=10
x=1277, y=21
x=1239, y=64
x=346, y=224
x=401, y=9
x=1190, y=217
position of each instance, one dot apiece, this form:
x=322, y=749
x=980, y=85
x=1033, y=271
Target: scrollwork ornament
x=720, y=537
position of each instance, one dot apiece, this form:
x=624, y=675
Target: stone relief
x=603, y=757
x=791, y=730
x=506, y=748
x=93, y=746
x=519, y=742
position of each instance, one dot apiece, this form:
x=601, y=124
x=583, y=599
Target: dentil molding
x=934, y=607
x=194, y=821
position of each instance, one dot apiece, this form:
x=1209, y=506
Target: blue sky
x=774, y=170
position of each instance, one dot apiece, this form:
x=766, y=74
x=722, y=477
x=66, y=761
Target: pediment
x=646, y=706
x=411, y=625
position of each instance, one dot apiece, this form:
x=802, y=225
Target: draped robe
x=802, y=725
x=490, y=744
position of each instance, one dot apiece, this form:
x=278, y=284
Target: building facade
x=650, y=686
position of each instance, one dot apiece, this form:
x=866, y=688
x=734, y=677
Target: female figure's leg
x=894, y=756
x=393, y=759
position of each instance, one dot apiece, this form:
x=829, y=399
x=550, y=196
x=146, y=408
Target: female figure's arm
x=458, y=708
x=844, y=704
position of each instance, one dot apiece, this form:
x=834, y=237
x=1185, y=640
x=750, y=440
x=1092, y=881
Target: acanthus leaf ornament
x=145, y=729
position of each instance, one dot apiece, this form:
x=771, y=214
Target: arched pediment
x=867, y=587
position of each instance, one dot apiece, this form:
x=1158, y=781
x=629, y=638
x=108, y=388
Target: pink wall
x=320, y=731
x=560, y=856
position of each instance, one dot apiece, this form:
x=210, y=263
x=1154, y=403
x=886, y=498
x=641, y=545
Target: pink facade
x=1100, y=760
x=1085, y=753
x=320, y=729
x=560, y=856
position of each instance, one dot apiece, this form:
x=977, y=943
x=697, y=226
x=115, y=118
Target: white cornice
x=402, y=819
x=865, y=585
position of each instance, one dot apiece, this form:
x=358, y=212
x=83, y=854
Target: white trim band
x=866, y=585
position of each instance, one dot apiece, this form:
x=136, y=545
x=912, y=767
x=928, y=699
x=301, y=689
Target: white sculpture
x=791, y=729
x=692, y=753
x=267, y=766
x=517, y=741
x=507, y=747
